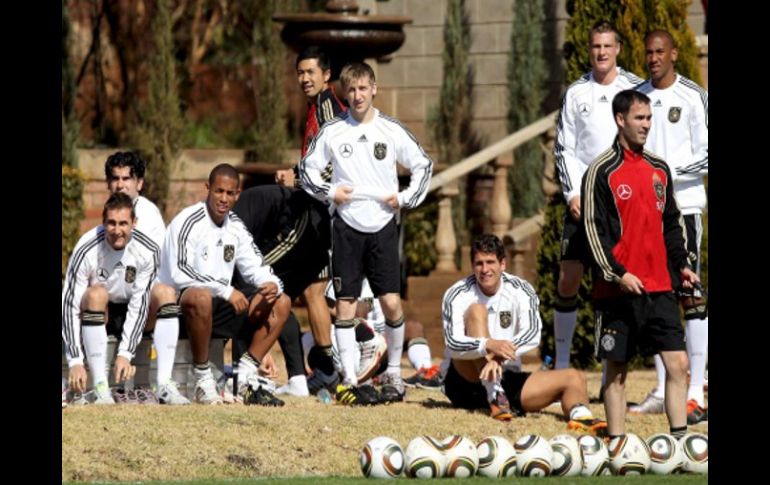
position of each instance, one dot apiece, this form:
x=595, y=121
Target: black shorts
x=646, y=324
x=574, y=244
x=116, y=318
x=356, y=254
x=472, y=395
x=225, y=323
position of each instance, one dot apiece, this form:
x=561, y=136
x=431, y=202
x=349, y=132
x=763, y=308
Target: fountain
x=343, y=33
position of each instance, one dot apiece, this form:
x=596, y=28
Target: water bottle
x=547, y=363
x=324, y=396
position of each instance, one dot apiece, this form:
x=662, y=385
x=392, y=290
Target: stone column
x=500, y=212
x=446, y=242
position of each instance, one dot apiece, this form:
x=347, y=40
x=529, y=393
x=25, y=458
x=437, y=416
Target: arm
x=138, y=309
x=567, y=162
x=412, y=156
x=699, y=139
x=674, y=231
x=460, y=345
x=527, y=335
x=249, y=260
x=75, y=286
x=312, y=166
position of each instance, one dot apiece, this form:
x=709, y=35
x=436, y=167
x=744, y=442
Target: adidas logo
x=363, y=139
x=657, y=103
x=603, y=99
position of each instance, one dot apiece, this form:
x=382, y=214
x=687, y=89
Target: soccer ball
x=424, y=458
x=462, y=459
x=497, y=458
x=567, y=456
x=665, y=454
x=596, y=458
x=533, y=456
x=695, y=453
x=382, y=457
x=629, y=455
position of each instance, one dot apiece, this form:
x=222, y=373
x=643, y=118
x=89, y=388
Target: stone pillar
x=446, y=242
x=500, y=212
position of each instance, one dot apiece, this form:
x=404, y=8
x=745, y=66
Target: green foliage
x=158, y=133
x=527, y=73
x=72, y=183
x=419, y=238
x=583, y=15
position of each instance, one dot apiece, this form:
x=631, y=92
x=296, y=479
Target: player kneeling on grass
x=491, y=319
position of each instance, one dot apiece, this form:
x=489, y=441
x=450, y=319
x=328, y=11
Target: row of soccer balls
x=532, y=455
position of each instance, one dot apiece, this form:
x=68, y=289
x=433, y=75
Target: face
x=488, y=270
x=660, y=56
x=222, y=195
x=311, y=78
x=360, y=94
x=604, y=52
x=118, y=225
x=635, y=126
x=122, y=181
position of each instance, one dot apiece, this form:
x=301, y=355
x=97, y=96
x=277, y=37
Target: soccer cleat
x=651, y=405
x=319, y=379
x=145, y=396
x=260, y=397
x=353, y=396
x=695, y=412
x=168, y=393
x=426, y=378
x=206, y=390
x=393, y=389
x=499, y=408
x=123, y=396
x=371, y=393
x=371, y=355
x=594, y=426
x=102, y=394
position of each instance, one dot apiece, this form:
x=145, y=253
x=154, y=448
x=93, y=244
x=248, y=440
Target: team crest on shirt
x=229, y=252
x=130, y=274
x=674, y=113
x=660, y=192
x=505, y=319
x=380, y=150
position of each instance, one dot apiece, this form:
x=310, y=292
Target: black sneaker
x=371, y=393
x=392, y=388
x=318, y=380
x=354, y=396
x=260, y=397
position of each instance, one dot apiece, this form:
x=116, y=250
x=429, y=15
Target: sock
x=419, y=353
x=165, y=337
x=660, y=371
x=580, y=411
x=564, y=324
x=394, y=336
x=345, y=334
x=248, y=364
x=321, y=358
x=677, y=433
x=94, y=335
x=697, y=332
x=290, y=340
x=202, y=370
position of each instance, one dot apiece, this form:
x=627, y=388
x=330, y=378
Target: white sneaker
x=168, y=393
x=102, y=394
x=651, y=405
x=206, y=389
x=297, y=386
x=371, y=356
x=247, y=376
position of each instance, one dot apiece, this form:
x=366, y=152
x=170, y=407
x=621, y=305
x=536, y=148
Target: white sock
x=564, y=324
x=346, y=341
x=579, y=412
x=492, y=388
x=297, y=386
x=395, y=340
x=95, y=345
x=697, y=332
x=164, y=338
x=660, y=371
x=419, y=354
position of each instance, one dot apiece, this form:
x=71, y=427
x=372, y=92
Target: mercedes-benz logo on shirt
x=102, y=274
x=624, y=192
x=584, y=109
x=346, y=150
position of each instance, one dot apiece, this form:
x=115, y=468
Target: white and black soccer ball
x=462, y=459
x=533, y=456
x=424, y=458
x=665, y=454
x=596, y=458
x=629, y=455
x=567, y=456
x=497, y=457
x=382, y=457
x=695, y=453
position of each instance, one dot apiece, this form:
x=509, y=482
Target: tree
x=527, y=74
x=158, y=133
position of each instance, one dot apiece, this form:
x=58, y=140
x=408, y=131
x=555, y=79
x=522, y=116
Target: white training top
x=364, y=156
x=680, y=136
x=585, y=127
x=513, y=315
x=127, y=275
x=149, y=220
x=199, y=253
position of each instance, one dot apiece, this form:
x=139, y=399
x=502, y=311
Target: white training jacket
x=513, y=315
x=127, y=275
x=149, y=220
x=680, y=136
x=364, y=156
x=199, y=253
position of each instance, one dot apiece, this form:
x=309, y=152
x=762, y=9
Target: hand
x=78, y=378
x=269, y=292
x=238, y=301
x=285, y=177
x=574, y=207
x=502, y=348
x=631, y=284
x=267, y=368
x=123, y=369
x=343, y=194
x=392, y=201
x=492, y=371
x=689, y=278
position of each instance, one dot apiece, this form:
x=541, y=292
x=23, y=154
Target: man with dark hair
x=491, y=319
x=634, y=228
x=205, y=243
x=679, y=135
x=583, y=131
x=107, y=291
x=124, y=172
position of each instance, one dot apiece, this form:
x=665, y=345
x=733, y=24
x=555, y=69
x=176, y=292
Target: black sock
x=678, y=432
x=320, y=357
x=290, y=341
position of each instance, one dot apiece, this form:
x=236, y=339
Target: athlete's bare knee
x=196, y=301
x=95, y=298
x=163, y=294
